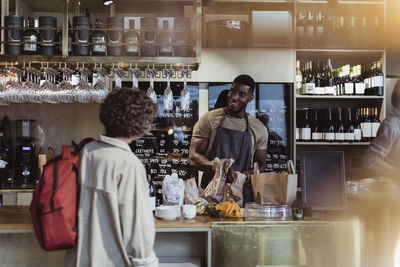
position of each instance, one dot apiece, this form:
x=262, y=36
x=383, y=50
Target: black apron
x=232, y=144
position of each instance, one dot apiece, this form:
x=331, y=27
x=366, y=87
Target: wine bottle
x=329, y=129
x=319, y=89
x=316, y=133
x=299, y=78
x=378, y=80
x=375, y=122
x=310, y=82
x=357, y=127
x=359, y=85
x=366, y=126
x=305, y=129
x=349, y=135
x=347, y=81
x=329, y=86
x=339, y=133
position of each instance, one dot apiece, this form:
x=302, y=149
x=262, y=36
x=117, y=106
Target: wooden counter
x=18, y=217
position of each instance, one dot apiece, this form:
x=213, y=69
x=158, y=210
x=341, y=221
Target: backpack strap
x=55, y=181
x=83, y=143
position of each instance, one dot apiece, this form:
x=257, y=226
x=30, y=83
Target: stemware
x=168, y=96
x=13, y=84
x=99, y=92
x=65, y=88
x=185, y=94
x=50, y=93
x=151, y=92
x=82, y=89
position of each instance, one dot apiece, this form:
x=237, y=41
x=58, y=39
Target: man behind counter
x=230, y=132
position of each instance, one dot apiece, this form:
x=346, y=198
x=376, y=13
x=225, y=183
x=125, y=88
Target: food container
x=255, y=212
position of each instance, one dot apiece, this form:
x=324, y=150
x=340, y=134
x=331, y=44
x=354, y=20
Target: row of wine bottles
x=319, y=29
x=319, y=78
x=337, y=125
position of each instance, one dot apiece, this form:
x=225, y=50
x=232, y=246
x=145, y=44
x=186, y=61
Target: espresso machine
x=6, y=155
x=26, y=162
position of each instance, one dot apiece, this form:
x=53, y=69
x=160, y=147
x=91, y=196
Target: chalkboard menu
x=272, y=105
x=166, y=149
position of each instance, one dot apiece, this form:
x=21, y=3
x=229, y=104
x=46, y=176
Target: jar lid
x=48, y=21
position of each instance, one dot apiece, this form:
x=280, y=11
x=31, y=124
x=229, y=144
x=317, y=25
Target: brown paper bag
x=275, y=188
x=191, y=191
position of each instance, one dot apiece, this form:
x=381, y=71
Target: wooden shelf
x=332, y=143
x=339, y=97
x=124, y=61
x=341, y=2
x=339, y=50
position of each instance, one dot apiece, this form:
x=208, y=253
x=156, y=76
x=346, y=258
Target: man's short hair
x=127, y=112
x=396, y=95
x=245, y=80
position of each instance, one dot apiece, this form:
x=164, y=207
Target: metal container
x=81, y=36
x=115, y=36
x=13, y=36
x=47, y=36
x=148, y=27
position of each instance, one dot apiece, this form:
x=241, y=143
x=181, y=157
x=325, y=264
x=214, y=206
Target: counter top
x=18, y=218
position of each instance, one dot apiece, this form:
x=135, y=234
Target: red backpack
x=55, y=200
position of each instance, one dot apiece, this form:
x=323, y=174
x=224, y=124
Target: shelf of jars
x=145, y=41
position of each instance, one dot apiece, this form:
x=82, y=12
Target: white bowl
x=189, y=211
x=166, y=212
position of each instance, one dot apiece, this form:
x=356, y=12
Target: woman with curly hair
x=115, y=221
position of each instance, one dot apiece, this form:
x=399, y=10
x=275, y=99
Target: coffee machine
x=26, y=162
x=6, y=155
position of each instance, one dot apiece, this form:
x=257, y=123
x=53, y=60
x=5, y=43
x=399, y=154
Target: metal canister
x=47, y=36
x=148, y=28
x=81, y=38
x=13, y=35
x=115, y=37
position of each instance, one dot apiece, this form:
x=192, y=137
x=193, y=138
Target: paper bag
x=191, y=191
x=214, y=191
x=275, y=188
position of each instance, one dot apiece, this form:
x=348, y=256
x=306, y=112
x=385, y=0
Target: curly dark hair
x=127, y=112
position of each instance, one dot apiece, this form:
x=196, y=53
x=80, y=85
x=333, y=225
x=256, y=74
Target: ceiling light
x=108, y=2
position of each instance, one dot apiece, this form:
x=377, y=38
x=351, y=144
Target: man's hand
x=231, y=175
